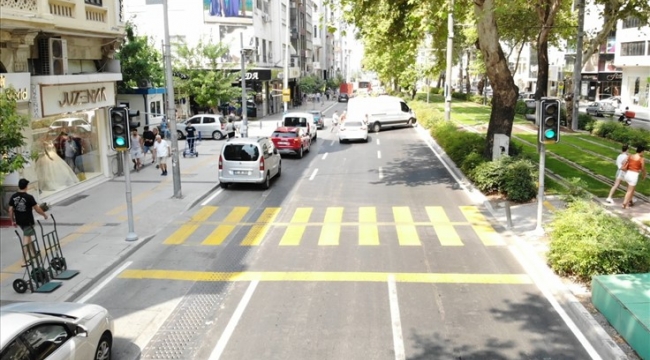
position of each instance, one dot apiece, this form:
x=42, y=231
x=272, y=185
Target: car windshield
x=278, y=134
x=353, y=124
x=241, y=152
x=295, y=121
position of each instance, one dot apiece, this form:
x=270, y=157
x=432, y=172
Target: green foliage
x=587, y=241
x=577, y=190
x=471, y=163
x=519, y=180
x=335, y=81
x=11, y=134
x=586, y=122
x=311, y=84
x=521, y=107
x=209, y=81
x=624, y=134
x=488, y=177
x=140, y=60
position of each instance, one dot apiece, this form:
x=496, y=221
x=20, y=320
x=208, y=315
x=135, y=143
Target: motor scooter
x=626, y=117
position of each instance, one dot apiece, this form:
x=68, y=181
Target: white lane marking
x=532, y=271
x=378, y=154
x=332, y=143
x=313, y=174
x=398, y=337
x=325, y=155
x=381, y=172
x=207, y=201
x=101, y=285
x=230, y=328
x=377, y=141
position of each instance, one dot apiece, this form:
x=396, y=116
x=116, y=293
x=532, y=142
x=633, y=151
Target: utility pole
x=285, y=78
x=171, y=107
x=450, y=46
x=577, y=67
x=244, y=98
x=131, y=236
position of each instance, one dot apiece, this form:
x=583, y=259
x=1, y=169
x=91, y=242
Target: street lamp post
x=244, y=100
x=450, y=46
x=285, y=78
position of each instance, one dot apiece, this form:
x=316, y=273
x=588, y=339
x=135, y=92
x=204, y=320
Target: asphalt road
x=359, y=251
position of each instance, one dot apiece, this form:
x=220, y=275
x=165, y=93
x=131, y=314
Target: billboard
x=228, y=11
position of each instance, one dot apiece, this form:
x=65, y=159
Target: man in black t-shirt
x=20, y=212
x=149, y=137
x=191, y=135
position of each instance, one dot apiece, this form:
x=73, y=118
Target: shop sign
x=610, y=76
x=260, y=75
x=16, y=85
x=76, y=97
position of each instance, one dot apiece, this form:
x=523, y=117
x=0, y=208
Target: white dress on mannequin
x=52, y=171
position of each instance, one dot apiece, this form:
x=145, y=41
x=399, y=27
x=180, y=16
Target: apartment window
x=263, y=50
x=270, y=51
x=631, y=22
x=635, y=48
x=257, y=46
x=93, y=2
x=315, y=31
x=258, y=4
x=284, y=13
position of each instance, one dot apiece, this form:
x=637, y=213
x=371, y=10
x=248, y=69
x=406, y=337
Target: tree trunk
x=481, y=85
x=568, y=98
x=546, y=12
x=503, y=86
x=441, y=81
x=468, y=85
x=542, y=70
x=460, y=72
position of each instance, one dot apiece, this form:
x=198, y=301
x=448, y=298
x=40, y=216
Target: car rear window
x=241, y=152
x=352, y=123
x=295, y=121
x=278, y=134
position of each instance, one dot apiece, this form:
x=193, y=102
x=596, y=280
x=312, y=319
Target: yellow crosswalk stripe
x=179, y=236
x=445, y=231
x=368, y=232
x=407, y=234
x=257, y=232
x=293, y=233
x=331, y=230
x=481, y=226
x=219, y=235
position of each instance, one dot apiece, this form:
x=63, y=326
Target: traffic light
x=119, y=121
x=549, y=125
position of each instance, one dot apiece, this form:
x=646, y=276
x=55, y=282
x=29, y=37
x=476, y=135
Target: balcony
x=86, y=16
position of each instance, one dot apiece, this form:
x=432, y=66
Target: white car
x=353, y=130
x=71, y=124
x=57, y=330
x=301, y=119
x=211, y=126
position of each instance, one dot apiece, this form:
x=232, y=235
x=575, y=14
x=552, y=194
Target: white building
x=633, y=56
x=58, y=58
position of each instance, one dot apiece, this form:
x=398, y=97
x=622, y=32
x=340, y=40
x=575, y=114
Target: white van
x=383, y=111
x=303, y=120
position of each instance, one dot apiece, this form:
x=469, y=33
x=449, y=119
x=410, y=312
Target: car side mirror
x=80, y=331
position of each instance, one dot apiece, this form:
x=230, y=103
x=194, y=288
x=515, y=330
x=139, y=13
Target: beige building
x=57, y=57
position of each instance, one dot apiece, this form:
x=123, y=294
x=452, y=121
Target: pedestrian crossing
x=333, y=226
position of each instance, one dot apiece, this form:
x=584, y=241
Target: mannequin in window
x=52, y=171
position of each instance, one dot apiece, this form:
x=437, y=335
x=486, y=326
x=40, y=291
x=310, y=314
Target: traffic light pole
x=171, y=107
x=540, y=194
x=131, y=236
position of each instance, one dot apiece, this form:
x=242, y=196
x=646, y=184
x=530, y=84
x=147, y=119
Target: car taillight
x=220, y=162
x=261, y=163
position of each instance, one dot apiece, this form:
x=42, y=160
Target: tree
x=208, y=78
x=335, y=82
x=11, y=134
x=311, y=84
x=140, y=60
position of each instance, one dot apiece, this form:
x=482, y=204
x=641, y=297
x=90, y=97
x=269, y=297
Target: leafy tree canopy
x=11, y=134
x=311, y=84
x=140, y=60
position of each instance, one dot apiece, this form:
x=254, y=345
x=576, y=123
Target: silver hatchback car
x=249, y=160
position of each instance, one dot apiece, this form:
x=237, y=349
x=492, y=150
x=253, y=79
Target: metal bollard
x=508, y=216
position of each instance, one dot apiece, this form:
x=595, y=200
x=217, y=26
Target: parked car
x=291, y=140
x=343, y=97
x=385, y=111
x=208, y=125
x=57, y=330
x=303, y=120
x=353, y=130
x=71, y=124
x=318, y=119
x=601, y=108
x=249, y=160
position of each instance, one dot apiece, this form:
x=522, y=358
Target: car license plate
x=283, y=143
x=240, y=172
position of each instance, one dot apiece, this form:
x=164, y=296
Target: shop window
x=635, y=48
x=93, y=2
x=66, y=149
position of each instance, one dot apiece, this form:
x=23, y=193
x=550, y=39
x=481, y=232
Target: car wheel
x=217, y=135
x=103, y=348
x=300, y=153
x=340, y=141
x=224, y=185
x=180, y=135
x=315, y=136
x=376, y=127
x=267, y=181
x=279, y=169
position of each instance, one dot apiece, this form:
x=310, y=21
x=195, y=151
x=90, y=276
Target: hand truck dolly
x=36, y=278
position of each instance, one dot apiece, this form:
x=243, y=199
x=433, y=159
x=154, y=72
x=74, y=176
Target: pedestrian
x=633, y=167
x=335, y=120
x=162, y=153
x=620, y=174
x=366, y=119
x=230, y=129
x=191, y=136
x=137, y=144
x=153, y=149
x=149, y=138
x=21, y=205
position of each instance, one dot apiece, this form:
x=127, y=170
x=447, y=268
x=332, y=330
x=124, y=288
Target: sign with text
x=57, y=99
x=17, y=85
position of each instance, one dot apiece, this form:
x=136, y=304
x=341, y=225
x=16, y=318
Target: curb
x=201, y=197
x=77, y=294
x=587, y=325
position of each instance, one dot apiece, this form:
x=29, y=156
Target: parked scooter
x=626, y=117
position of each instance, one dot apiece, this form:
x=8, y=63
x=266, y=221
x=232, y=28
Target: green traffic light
x=119, y=141
x=549, y=134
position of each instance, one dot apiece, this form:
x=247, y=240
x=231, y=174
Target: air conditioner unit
x=58, y=56
x=144, y=84
x=266, y=17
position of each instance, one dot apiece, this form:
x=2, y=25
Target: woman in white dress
x=53, y=173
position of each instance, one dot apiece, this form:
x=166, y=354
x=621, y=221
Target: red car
x=291, y=140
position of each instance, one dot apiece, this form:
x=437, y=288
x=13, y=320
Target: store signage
x=16, y=85
x=260, y=75
x=76, y=97
x=610, y=76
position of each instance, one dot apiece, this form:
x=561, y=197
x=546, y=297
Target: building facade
x=633, y=57
x=58, y=57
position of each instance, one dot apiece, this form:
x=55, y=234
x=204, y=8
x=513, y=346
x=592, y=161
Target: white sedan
x=353, y=130
x=53, y=331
